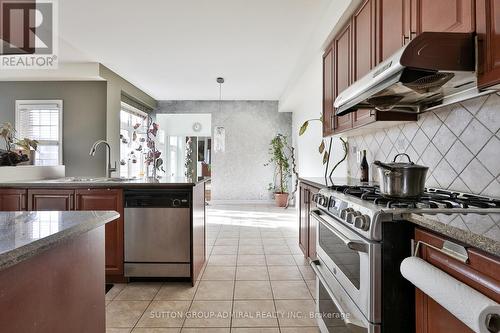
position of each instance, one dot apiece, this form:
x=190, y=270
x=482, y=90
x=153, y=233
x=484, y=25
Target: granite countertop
x=107, y=182
x=481, y=231
x=26, y=234
x=320, y=182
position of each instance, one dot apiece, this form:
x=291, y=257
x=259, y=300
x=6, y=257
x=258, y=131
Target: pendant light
x=220, y=81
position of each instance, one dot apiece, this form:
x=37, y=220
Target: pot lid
x=404, y=165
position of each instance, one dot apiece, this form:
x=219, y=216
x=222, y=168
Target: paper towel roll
x=468, y=305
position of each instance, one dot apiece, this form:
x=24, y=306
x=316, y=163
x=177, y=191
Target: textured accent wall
x=239, y=172
x=459, y=143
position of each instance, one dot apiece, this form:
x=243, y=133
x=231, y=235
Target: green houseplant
x=280, y=159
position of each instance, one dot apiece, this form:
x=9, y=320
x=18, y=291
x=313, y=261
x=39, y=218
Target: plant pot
x=281, y=199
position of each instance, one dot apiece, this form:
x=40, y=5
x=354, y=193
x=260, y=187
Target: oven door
x=354, y=261
x=335, y=311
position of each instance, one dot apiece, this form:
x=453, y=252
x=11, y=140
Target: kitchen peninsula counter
x=52, y=271
x=97, y=182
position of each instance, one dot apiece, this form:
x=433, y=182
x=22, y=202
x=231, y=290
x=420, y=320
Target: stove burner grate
x=432, y=198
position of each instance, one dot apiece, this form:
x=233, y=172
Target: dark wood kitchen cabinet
x=364, y=53
x=51, y=199
x=107, y=199
x=342, y=73
x=304, y=197
x=328, y=116
x=443, y=15
x=488, y=38
x=482, y=273
x=13, y=200
x=313, y=226
x=307, y=226
x=393, y=25
x=375, y=31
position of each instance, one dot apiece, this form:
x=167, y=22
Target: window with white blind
x=41, y=121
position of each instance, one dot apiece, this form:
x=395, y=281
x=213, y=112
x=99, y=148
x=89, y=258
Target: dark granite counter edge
x=312, y=182
x=27, y=251
x=467, y=238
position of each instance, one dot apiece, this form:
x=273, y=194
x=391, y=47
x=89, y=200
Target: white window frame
x=59, y=104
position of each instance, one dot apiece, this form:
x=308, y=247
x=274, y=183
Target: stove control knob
x=362, y=222
x=350, y=217
x=343, y=212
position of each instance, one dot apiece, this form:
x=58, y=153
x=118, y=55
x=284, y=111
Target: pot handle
x=403, y=154
x=383, y=166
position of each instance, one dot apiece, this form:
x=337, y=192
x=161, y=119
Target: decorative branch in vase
x=153, y=158
x=321, y=148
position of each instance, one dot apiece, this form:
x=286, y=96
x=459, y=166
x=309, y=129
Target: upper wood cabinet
x=107, y=199
x=488, y=34
x=342, y=72
x=364, y=53
x=51, y=199
x=328, y=120
x=444, y=15
x=13, y=200
x=393, y=26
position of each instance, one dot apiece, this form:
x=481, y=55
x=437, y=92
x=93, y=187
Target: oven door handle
x=353, y=245
x=351, y=327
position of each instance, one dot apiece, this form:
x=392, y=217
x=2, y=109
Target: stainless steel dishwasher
x=157, y=233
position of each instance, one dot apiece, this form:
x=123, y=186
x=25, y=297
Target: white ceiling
x=177, y=49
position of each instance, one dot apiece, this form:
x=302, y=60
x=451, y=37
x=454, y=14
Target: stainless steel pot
x=401, y=180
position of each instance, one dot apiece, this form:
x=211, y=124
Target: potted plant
x=8, y=157
x=281, y=161
x=29, y=147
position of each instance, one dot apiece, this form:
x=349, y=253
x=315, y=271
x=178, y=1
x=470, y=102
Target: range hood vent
x=434, y=69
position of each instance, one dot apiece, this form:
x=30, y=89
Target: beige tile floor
x=256, y=280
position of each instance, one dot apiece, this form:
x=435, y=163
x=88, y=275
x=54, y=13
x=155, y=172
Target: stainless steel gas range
x=362, y=237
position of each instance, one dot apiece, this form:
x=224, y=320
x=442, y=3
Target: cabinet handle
x=493, y=322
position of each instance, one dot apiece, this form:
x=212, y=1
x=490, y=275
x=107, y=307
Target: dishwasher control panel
x=157, y=199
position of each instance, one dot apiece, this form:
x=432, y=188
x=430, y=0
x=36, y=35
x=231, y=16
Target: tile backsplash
x=459, y=143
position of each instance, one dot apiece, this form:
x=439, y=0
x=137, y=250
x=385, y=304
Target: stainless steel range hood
x=433, y=70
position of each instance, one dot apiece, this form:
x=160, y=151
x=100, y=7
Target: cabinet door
x=12, y=200
x=328, y=121
x=481, y=273
x=343, y=73
x=488, y=33
x=445, y=15
x=50, y=199
x=364, y=40
x=392, y=27
x=107, y=199
x=313, y=225
x=303, y=219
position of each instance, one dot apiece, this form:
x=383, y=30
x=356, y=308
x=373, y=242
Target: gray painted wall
x=116, y=85
x=84, y=118
x=239, y=172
